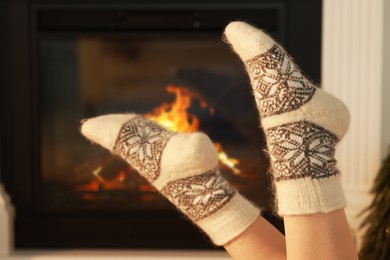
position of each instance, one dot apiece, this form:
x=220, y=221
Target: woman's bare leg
x=315, y=236
x=260, y=241
x=319, y=236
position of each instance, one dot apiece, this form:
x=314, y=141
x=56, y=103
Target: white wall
x=386, y=81
x=352, y=66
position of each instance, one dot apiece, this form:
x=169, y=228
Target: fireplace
x=83, y=60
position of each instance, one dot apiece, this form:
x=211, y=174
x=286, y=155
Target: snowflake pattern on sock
x=201, y=195
x=301, y=149
x=277, y=82
x=141, y=142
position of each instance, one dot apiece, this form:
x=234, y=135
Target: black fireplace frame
x=20, y=138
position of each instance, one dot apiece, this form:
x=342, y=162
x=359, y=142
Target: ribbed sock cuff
x=309, y=196
x=230, y=221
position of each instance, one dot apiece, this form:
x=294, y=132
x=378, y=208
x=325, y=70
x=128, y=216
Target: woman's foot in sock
x=302, y=124
x=183, y=167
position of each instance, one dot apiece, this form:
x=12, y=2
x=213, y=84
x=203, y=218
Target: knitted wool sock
x=302, y=124
x=183, y=167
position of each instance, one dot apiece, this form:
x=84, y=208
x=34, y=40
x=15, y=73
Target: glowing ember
x=174, y=116
x=101, y=183
x=121, y=176
x=224, y=158
x=96, y=173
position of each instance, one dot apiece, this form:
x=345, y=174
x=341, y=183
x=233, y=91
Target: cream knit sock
x=183, y=167
x=302, y=124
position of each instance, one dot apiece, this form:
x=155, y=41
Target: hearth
x=77, y=60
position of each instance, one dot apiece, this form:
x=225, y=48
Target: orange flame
x=174, y=116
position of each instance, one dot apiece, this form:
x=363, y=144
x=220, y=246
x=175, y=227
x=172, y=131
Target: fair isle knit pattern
x=278, y=83
x=199, y=196
x=141, y=143
x=300, y=150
